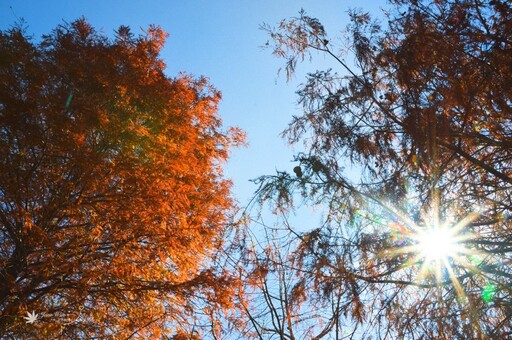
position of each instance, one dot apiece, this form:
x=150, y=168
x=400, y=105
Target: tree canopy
x=113, y=205
x=408, y=148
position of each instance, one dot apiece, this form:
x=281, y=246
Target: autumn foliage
x=411, y=129
x=112, y=201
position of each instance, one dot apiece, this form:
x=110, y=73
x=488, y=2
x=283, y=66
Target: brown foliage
x=112, y=200
x=423, y=117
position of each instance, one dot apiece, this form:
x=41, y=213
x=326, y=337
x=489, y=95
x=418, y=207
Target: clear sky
x=222, y=41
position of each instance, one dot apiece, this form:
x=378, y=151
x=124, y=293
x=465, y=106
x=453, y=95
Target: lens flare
x=437, y=244
x=439, y=250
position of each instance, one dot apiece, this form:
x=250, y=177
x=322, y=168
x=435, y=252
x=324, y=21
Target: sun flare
x=437, y=244
x=438, y=250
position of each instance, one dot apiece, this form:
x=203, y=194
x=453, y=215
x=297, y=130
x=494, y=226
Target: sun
x=439, y=249
x=436, y=248
x=438, y=244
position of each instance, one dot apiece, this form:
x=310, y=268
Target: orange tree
x=113, y=206
x=417, y=241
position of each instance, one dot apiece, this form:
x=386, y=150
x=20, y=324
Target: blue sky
x=222, y=41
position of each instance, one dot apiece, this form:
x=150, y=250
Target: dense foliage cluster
x=112, y=200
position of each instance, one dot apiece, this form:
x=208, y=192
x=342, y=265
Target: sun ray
x=438, y=246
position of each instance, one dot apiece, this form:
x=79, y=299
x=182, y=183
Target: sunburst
x=435, y=247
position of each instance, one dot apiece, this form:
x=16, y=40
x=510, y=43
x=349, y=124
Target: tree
x=423, y=116
x=113, y=205
x=280, y=301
